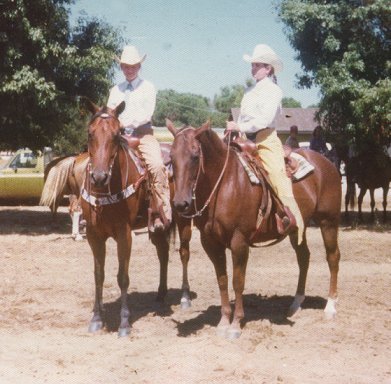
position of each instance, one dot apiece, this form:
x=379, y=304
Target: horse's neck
x=124, y=169
x=213, y=150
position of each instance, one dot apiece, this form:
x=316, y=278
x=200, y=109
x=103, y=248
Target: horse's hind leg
x=330, y=239
x=360, y=199
x=385, y=193
x=98, y=248
x=372, y=194
x=303, y=259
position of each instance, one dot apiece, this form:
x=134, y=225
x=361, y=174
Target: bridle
x=96, y=198
x=199, y=212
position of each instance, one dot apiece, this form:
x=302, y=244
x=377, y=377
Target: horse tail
x=56, y=183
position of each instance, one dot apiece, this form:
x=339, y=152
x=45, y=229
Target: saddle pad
x=304, y=168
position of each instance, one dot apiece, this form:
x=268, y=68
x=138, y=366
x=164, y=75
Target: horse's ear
x=88, y=104
x=119, y=109
x=204, y=127
x=171, y=127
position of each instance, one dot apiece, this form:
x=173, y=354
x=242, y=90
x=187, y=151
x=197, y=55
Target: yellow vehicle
x=22, y=177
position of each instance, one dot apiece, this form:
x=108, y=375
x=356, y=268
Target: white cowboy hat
x=264, y=54
x=130, y=56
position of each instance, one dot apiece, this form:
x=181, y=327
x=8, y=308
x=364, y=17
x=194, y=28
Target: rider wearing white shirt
x=140, y=100
x=257, y=111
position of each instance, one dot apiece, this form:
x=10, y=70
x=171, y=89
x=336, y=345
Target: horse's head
x=186, y=157
x=104, y=138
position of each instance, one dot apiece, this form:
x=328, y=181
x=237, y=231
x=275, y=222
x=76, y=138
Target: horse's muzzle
x=99, y=178
x=182, y=206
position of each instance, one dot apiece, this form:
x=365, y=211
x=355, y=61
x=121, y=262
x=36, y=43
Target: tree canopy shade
x=344, y=48
x=45, y=65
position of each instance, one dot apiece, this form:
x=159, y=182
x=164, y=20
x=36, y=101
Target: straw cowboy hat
x=130, y=56
x=264, y=54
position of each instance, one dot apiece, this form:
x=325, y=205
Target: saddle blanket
x=304, y=168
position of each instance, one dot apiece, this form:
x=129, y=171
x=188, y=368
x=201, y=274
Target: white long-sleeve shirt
x=140, y=102
x=259, y=106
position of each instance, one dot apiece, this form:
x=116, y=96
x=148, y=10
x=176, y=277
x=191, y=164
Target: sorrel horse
x=114, y=202
x=65, y=176
x=369, y=173
x=212, y=186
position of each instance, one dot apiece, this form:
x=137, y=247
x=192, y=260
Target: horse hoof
x=78, y=238
x=95, y=326
x=222, y=330
x=330, y=312
x=295, y=307
x=122, y=332
x=185, y=303
x=233, y=333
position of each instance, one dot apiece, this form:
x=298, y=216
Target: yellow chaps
x=270, y=150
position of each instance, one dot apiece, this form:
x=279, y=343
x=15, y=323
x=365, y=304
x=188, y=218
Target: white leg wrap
x=330, y=310
x=75, y=223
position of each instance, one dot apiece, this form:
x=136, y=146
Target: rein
x=201, y=167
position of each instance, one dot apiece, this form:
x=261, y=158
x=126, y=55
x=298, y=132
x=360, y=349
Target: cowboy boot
x=287, y=223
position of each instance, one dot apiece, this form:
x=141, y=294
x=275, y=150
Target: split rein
x=201, y=168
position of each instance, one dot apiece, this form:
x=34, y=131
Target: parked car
x=22, y=176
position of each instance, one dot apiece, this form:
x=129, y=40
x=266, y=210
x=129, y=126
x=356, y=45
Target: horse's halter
x=199, y=212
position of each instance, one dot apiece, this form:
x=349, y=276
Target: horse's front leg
x=124, y=246
x=160, y=241
x=184, y=229
x=240, y=250
x=216, y=253
x=98, y=247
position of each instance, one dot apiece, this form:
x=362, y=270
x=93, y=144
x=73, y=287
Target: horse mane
x=210, y=139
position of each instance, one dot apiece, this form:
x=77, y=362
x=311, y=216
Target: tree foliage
x=344, y=48
x=181, y=108
x=45, y=65
x=290, y=102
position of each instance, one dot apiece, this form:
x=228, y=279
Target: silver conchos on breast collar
x=109, y=199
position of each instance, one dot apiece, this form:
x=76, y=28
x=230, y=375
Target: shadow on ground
x=27, y=222
x=256, y=308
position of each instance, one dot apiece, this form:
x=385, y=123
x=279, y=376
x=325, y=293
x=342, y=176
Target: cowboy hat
x=264, y=54
x=130, y=56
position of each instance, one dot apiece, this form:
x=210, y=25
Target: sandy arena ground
x=47, y=292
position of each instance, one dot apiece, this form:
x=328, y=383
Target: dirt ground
x=47, y=291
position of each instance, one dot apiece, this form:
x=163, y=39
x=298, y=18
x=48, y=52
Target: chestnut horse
x=65, y=176
x=114, y=202
x=212, y=186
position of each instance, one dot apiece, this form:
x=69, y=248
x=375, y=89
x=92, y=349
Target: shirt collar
x=135, y=82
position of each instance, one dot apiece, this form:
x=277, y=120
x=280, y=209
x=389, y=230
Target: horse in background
x=65, y=176
x=212, y=186
x=115, y=201
x=369, y=171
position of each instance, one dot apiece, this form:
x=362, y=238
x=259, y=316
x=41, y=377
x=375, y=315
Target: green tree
x=290, y=102
x=344, y=48
x=45, y=64
x=229, y=97
x=181, y=108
